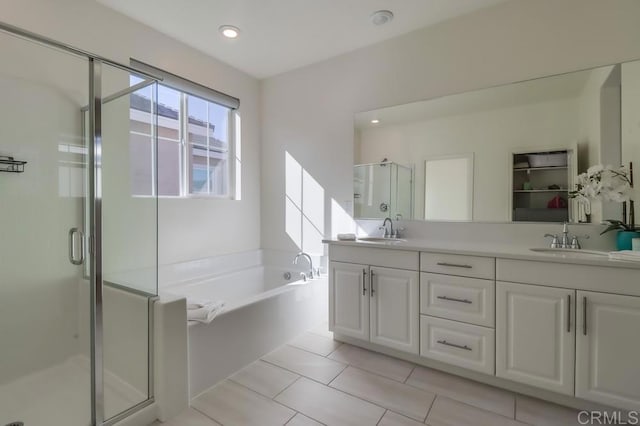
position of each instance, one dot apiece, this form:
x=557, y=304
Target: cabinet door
x=349, y=299
x=535, y=335
x=608, y=349
x=394, y=308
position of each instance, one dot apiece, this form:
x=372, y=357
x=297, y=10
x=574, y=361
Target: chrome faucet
x=313, y=272
x=565, y=241
x=388, y=233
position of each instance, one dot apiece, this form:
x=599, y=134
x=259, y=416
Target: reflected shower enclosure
x=382, y=190
x=78, y=263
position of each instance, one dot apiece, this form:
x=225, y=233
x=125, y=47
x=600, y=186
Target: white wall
x=38, y=310
x=309, y=112
x=490, y=135
x=192, y=228
x=598, y=114
x=631, y=125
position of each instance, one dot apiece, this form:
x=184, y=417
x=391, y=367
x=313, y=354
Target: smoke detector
x=381, y=17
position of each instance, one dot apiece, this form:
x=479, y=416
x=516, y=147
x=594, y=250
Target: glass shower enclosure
x=78, y=263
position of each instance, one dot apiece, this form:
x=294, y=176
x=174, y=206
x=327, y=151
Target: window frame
x=187, y=88
x=186, y=172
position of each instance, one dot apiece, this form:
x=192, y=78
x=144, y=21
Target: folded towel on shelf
x=626, y=255
x=347, y=237
x=203, y=311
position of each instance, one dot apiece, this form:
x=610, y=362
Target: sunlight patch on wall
x=342, y=222
x=293, y=219
x=238, y=152
x=304, y=208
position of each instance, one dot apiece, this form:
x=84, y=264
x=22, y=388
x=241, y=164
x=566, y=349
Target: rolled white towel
x=206, y=313
x=347, y=237
x=197, y=303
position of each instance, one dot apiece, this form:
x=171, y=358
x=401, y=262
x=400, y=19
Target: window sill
x=188, y=197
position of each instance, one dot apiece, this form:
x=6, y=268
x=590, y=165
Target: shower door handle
x=72, y=246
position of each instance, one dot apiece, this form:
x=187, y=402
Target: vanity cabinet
x=375, y=303
x=535, y=335
x=608, y=349
x=567, y=330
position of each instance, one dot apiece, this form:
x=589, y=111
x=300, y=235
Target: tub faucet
x=306, y=256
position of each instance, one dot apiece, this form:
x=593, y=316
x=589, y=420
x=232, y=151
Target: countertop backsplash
x=518, y=234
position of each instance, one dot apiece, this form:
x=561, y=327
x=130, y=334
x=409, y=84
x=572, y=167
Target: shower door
x=45, y=355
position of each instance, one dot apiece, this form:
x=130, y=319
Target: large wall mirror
x=509, y=153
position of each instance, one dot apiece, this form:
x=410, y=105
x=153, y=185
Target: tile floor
x=314, y=380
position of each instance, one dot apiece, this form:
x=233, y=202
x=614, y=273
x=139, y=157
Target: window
x=208, y=139
x=195, y=146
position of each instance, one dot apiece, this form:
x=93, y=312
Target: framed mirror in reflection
x=508, y=153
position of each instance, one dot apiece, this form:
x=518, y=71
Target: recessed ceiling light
x=229, y=31
x=381, y=17
x=375, y=121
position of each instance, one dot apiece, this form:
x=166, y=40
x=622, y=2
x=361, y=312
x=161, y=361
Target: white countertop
x=504, y=251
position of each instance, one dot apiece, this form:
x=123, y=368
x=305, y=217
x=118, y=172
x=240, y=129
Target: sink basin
x=381, y=240
x=573, y=253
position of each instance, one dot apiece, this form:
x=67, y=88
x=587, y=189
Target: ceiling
x=281, y=35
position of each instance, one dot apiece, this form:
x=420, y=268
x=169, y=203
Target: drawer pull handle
x=454, y=265
x=444, y=342
x=453, y=299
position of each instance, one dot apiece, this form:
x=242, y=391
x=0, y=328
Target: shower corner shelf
x=8, y=164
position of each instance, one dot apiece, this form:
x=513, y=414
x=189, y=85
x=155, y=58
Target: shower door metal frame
x=95, y=239
x=95, y=226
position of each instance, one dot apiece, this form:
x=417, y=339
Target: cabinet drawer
x=463, y=299
x=456, y=343
x=399, y=259
x=582, y=277
x=455, y=264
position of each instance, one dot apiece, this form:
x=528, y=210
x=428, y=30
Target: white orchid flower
x=603, y=183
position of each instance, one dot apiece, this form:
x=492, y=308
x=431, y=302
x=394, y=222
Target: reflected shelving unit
x=541, y=185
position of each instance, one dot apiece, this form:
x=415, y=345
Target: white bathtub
x=263, y=311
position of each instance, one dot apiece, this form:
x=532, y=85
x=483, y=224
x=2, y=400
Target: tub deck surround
x=553, y=327
x=238, y=337
x=262, y=309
